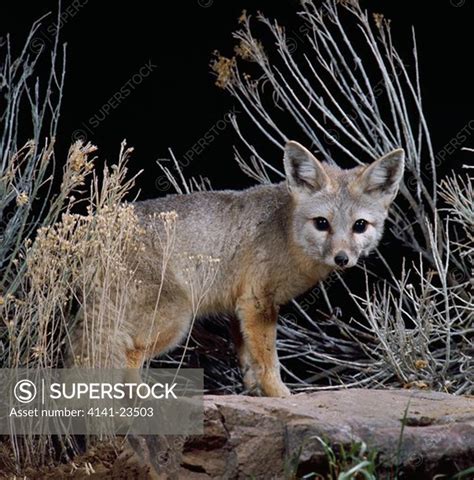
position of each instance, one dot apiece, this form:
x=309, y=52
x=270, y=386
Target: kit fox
x=273, y=241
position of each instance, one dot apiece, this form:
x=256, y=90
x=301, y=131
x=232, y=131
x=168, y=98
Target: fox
x=273, y=242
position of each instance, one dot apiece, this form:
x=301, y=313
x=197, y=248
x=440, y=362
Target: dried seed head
x=22, y=199
x=243, y=17
x=224, y=68
x=420, y=364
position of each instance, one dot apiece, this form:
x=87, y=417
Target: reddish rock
x=253, y=437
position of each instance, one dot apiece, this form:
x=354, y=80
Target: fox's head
x=339, y=214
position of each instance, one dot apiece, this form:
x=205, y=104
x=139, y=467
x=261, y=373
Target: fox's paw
x=273, y=390
x=276, y=390
x=269, y=385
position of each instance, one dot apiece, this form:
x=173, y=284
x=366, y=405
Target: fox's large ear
x=302, y=169
x=383, y=177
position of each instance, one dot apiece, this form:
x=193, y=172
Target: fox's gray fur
x=270, y=250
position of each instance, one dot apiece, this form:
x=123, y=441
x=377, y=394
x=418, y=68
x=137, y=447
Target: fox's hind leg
x=258, y=321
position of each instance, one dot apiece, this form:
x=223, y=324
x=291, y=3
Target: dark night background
x=177, y=103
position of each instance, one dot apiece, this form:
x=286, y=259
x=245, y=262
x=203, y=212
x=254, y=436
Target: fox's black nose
x=341, y=259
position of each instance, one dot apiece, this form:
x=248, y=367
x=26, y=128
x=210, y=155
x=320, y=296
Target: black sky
x=107, y=43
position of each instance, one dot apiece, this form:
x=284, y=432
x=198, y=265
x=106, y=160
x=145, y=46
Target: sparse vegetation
x=357, y=461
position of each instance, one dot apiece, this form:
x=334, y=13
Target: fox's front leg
x=258, y=322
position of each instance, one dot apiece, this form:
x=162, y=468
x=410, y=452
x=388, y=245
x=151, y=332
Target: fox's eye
x=321, y=223
x=360, y=226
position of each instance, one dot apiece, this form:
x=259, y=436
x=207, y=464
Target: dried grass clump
x=61, y=271
x=68, y=260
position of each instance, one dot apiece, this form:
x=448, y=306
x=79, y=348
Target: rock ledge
x=252, y=437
